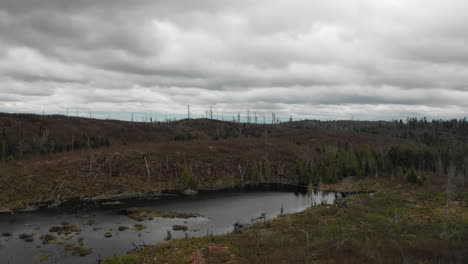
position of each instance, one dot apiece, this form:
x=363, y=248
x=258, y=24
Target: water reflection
x=319, y=197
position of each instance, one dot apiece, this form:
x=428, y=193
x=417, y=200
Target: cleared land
x=417, y=168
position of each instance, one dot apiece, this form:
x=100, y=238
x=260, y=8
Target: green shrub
x=188, y=180
x=122, y=260
x=413, y=178
x=303, y=173
x=4, y=151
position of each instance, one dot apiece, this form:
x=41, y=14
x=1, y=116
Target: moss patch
x=122, y=228
x=137, y=227
x=48, y=239
x=68, y=237
x=27, y=237
x=64, y=229
x=179, y=228
x=78, y=250
x=141, y=214
x=44, y=257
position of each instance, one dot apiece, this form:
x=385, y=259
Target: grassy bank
x=402, y=224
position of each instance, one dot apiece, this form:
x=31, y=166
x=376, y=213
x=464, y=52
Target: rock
x=6, y=211
x=26, y=209
x=238, y=226
x=189, y=192
x=168, y=236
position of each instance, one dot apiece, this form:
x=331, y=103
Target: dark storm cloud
x=298, y=57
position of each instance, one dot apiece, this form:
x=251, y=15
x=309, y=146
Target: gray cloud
x=377, y=59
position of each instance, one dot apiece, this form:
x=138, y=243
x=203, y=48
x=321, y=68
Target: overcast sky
x=319, y=59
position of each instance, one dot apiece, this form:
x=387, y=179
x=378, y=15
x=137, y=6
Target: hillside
x=54, y=158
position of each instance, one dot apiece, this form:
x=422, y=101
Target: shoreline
x=153, y=194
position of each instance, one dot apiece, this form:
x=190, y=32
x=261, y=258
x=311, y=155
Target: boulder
x=189, y=192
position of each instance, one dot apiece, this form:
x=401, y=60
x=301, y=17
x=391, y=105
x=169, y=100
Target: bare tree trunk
x=21, y=145
x=241, y=172
x=449, y=192
x=90, y=165
x=147, y=168
x=110, y=171
x=167, y=166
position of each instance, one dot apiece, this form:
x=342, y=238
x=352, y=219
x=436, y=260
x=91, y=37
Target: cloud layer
x=318, y=59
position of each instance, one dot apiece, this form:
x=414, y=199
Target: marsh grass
x=141, y=214
x=48, y=239
x=64, y=229
x=179, y=228
x=391, y=226
x=78, y=250
x=122, y=228
x=137, y=227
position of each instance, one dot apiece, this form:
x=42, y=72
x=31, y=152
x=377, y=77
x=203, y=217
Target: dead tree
x=147, y=168
x=188, y=111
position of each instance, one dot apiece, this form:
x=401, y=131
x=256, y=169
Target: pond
x=220, y=210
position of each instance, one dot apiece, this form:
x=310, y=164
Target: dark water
x=221, y=211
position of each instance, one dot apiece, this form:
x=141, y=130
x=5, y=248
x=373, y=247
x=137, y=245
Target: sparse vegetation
x=179, y=228
x=414, y=178
x=78, y=250
x=299, y=152
x=44, y=257
x=405, y=230
x=6, y=234
x=68, y=237
x=141, y=214
x=138, y=227
x=188, y=180
x=113, y=203
x=64, y=229
x=48, y=239
x=27, y=237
